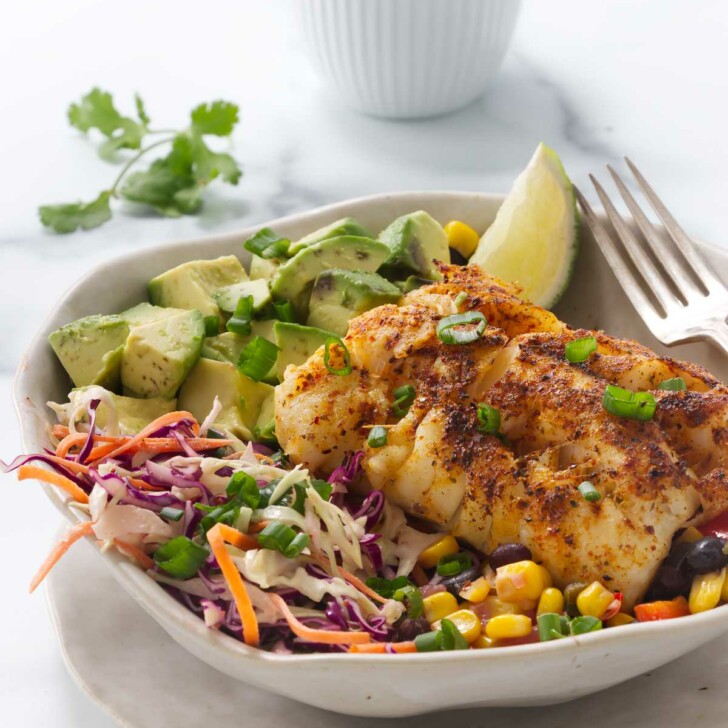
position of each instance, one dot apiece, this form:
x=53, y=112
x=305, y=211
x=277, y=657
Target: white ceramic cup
x=407, y=58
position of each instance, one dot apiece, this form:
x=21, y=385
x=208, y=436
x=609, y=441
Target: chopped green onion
x=377, y=436
x=404, y=396
x=549, y=627
x=240, y=321
x=676, y=384
x=412, y=596
x=582, y=625
x=589, y=492
x=460, y=299
x=454, y=564
x=579, y=350
x=449, y=334
x=451, y=637
x=323, y=488
x=212, y=325
x=347, y=368
x=279, y=537
x=632, y=405
x=267, y=244
x=171, y=514
x=489, y=419
x=257, y=358
x=284, y=311
x=226, y=513
x=429, y=642
x=243, y=486
x=388, y=587
x=181, y=557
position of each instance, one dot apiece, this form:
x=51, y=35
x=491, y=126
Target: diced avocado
x=296, y=343
x=133, y=414
x=264, y=430
x=90, y=349
x=340, y=295
x=192, y=284
x=263, y=268
x=414, y=241
x=294, y=279
x=145, y=313
x=159, y=355
x=345, y=226
x=227, y=298
x=228, y=346
x=240, y=396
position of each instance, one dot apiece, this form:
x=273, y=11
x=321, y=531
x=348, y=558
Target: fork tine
x=683, y=242
x=642, y=261
x=630, y=286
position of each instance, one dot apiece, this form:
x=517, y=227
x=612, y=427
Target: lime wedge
x=533, y=240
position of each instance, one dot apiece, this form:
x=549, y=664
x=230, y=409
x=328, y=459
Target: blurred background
x=595, y=81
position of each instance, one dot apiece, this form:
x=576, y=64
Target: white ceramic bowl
x=382, y=685
x=407, y=58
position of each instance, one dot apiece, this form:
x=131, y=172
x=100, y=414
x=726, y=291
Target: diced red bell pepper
x=669, y=609
x=718, y=526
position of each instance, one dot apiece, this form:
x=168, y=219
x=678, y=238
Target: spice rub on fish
x=519, y=484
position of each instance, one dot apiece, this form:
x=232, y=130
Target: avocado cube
x=159, y=355
x=263, y=268
x=414, y=241
x=344, y=227
x=240, y=396
x=340, y=295
x=227, y=298
x=297, y=343
x=264, y=430
x=145, y=313
x=90, y=349
x=294, y=279
x=192, y=284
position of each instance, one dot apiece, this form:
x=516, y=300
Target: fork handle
x=719, y=335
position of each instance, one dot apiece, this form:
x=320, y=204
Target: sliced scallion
x=240, y=321
x=284, y=311
x=341, y=371
x=171, y=514
x=404, y=396
x=449, y=329
x=589, y=492
x=454, y=564
x=451, y=637
x=632, y=405
x=180, y=557
x=377, y=436
x=267, y=244
x=489, y=419
x=580, y=350
x=212, y=325
x=243, y=486
x=279, y=537
x=676, y=384
x=257, y=358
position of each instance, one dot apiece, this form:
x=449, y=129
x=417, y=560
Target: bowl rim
x=158, y=602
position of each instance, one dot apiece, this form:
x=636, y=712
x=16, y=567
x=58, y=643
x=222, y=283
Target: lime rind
x=533, y=240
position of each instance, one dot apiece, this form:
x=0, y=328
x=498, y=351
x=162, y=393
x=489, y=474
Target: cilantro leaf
x=208, y=164
x=141, y=110
x=164, y=188
x=85, y=215
x=218, y=118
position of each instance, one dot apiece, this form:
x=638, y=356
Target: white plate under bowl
x=382, y=685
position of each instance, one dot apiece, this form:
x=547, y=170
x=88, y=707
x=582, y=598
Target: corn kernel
x=492, y=606
x=619, y=619
x=439, y=605
x=594, y=600
x=467, y=623
x=506, y=626
x=477, y=591
x=690, y=535
x=481, y=642
x=520, y=581
x=724, y=590
x=462, y=237
x=442, y=547
x=551, y=601
x=705, y=591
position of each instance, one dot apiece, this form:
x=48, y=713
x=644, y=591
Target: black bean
x=508, y=553
x=408, y=629
x=670, y=582
x=706, y=555
x=455, y=584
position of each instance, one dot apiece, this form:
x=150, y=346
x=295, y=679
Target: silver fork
x=688, y=301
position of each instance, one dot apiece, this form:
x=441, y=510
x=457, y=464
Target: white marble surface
x=597, y=80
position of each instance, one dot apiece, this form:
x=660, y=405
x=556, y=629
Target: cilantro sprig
x=172, y=185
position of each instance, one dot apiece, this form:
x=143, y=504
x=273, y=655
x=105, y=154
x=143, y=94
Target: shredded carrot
x=136, y=553
x=143, y=485
x=100, y=451
x=418, y=575
x=265, y=459
x=68, y=443
x=27, y=472
x=167, y=419
x=322, y=636
x=73, y=535
x=258, y=527
x=237, y=538
x=381, y=647
x=353, y=580
x=216, y=539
